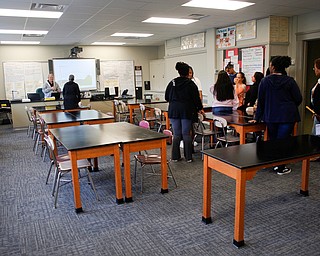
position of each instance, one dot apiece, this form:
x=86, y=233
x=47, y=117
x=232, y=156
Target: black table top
x=74, y=116
x=88, y=136
x=267, y=152
x=234, y=118
x=48, y=108
x=58, y=117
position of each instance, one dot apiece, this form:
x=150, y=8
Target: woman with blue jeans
x=184, y=105
x=278, y=99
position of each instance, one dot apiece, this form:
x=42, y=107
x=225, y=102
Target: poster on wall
x=246, y=30
x=232, y=55
x=226, y=37
x=252, y=61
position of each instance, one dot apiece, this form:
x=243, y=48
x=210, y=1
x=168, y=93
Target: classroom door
x=157, y=71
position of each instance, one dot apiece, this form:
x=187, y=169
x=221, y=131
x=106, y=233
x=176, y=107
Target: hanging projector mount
x=75, y=51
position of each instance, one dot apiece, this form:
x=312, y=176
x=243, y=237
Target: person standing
x=278, y=99
x=71, y=94
x=184, y=105
x=196, y=80
x=231, y=72
x=225, y=99
x=315, y=96
x=240, y=87
x=50, y=86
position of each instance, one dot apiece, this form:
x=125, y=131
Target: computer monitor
x=110, y=93
x=56, y=95
x=34, y=96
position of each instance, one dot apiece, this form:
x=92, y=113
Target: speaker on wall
x=98, y=67
x=147, y=85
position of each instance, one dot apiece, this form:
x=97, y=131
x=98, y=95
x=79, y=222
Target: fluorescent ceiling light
x=221, y=4
x=169, y=21
x=108, y=43
x=30, y=13
x=20, y=42
x=132, y=34
x=12, y=31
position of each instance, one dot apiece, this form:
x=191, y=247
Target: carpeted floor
x=278, y=221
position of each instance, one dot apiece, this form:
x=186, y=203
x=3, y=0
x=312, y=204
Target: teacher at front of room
x=71, y=94
x=50, y=86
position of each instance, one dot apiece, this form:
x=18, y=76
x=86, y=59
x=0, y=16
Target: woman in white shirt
x=225, y=99
x=196, y=81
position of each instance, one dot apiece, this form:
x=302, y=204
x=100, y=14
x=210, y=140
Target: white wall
x=140, y=55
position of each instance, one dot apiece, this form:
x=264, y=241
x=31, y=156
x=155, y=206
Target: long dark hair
x=258, y=77
x=244, y=79
x=223, y=88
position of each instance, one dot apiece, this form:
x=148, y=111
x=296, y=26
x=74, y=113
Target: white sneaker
x=181, y=144
x=195, y=143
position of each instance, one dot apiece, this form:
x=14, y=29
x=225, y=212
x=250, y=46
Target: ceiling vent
x=48, y=7
x=197, y=16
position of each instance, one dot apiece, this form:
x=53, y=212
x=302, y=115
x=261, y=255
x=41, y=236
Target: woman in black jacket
x=71, y=94
x=184, y=105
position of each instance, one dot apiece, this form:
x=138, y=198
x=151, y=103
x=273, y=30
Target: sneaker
x=286, y=170
x=195, y=143
x=175, y=160
x=275, y=168
x=181, y=144
x=189, y=161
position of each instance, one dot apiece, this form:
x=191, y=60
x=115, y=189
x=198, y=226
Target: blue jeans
x=221, y=110
x=315, y=122
x=181, y=130
x=279, y=130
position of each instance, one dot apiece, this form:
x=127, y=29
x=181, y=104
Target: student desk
x=90, y=141
x=98, y=140
x=55, y=108
x=240, y=123
x=133, y=104
x=242, y=163
x=72, y=118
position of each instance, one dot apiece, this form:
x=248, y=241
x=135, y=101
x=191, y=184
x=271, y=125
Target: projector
x=75, y=51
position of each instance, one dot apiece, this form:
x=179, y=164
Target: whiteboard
x=117, y=73
x=21, y=78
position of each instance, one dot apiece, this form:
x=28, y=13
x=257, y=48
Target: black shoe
x=286, y=170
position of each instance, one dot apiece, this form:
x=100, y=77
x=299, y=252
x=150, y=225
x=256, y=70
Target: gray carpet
x=278, y=221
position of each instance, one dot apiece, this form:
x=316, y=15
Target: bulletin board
x=247, y=60
x=117, y=73
x=21, y=78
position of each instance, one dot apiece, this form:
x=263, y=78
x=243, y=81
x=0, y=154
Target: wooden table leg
x=238, y=240
x=305, y=177
x=164, y=170
x=117, y=171
x=206, y=212
x=75, y=182
x=127, y=176
x=166, y=116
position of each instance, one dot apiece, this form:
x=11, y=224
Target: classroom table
x=55, y=108
x=72, y=118
x=97, y=140
x=242, y=163
x=240, y=123
x=134, y=103
x=90, y=141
